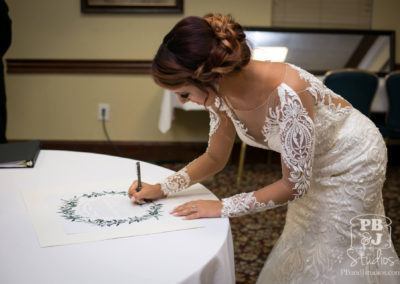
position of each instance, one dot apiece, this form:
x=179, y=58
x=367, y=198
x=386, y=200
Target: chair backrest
x=392, y=83
x=356, y=86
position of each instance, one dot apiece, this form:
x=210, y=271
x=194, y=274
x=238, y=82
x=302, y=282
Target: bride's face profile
x=193, y=94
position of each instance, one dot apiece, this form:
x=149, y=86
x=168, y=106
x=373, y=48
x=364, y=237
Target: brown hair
x=198, y=50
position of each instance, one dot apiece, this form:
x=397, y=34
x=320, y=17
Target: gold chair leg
x=241, y=163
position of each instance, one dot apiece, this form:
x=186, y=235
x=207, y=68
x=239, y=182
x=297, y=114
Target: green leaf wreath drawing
x=67, y=210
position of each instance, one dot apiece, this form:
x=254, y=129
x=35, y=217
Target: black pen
x=139, y=182
x=139, y=179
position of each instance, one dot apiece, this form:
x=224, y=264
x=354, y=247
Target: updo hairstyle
x=198, y=51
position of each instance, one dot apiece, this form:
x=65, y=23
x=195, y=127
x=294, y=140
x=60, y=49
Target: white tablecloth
x=170, y=103
x=202, y=255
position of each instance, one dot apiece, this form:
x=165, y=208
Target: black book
x=19, y=154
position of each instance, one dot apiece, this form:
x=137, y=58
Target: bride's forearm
x=196, y=171
x=271, y=196
x=280, y=192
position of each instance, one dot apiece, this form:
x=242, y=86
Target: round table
x=201, y=255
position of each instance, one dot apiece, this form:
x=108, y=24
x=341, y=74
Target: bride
x=333, y=158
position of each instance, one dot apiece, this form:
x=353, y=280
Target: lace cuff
x=176, y=182
x=242, y=204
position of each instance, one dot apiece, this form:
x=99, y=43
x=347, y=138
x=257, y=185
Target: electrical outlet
x=103, y=108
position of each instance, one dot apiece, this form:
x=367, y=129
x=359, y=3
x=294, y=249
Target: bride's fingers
x=132, y=189
x=178, y=209
x=192, y=216
x=185, y=209
x=181, y=212
x=185, y=206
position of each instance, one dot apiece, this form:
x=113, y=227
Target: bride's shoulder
x=268, y=66
x=270, y=72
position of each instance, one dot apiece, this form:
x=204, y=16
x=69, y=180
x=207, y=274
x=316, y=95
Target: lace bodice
x=295, y=119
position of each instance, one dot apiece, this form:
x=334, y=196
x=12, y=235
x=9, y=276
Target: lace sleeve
x=220, y=142
x=242, y=204
x=274, y=195
x=296, y=132
x=176, y=182
x=297, y=139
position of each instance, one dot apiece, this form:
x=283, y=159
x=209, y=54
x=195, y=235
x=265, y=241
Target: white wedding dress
x=334, y=160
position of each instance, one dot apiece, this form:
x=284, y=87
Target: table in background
x=202, y=255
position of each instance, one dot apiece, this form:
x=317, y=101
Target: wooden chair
x=241, y=162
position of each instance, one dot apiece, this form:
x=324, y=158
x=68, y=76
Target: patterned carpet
x=255, y=235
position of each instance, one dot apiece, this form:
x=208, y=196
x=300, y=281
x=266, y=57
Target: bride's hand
x=148, y=191
x=199, y=209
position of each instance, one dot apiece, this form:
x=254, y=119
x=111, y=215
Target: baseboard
x=156, y=152
x=171, y=152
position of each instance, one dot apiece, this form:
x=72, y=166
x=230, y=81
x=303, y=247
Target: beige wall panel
x=386, y=17
x=64, y=106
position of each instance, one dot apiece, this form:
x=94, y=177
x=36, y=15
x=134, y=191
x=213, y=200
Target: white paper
x=91, y=212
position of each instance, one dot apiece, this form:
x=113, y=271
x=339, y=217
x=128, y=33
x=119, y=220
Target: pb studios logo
x=370, y=235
